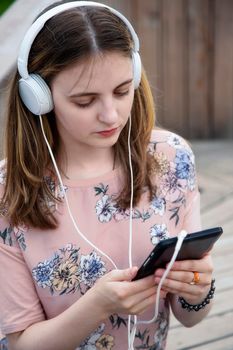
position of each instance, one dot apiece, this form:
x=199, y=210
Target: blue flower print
x=67, y=271
x=185, y=166
x=91, y=268
x=105, y=209
x=90, y=342
x=43, y=273
x=158, y=205
x=158, y=232
x=60, y=273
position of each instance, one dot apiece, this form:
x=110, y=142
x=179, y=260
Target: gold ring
x=196, y=278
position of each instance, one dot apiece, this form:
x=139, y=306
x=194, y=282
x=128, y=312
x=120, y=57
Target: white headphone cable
x=75, y=224
x=130, y=226
x=178, y=245
x=66, y=200
x=131, y=195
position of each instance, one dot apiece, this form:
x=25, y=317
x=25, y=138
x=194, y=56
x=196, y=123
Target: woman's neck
x=79, y=166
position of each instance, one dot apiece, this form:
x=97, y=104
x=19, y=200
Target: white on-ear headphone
x=33, y=90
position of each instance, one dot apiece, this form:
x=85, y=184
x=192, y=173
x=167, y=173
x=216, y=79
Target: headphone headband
x=40, y=22
x=33, y=90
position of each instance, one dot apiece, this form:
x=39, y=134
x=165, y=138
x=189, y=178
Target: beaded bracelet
x=197, y=307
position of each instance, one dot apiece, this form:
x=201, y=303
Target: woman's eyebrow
x=125, y=83
x=95, y=93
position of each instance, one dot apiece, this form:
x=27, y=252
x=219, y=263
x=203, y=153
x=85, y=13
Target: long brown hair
x=68, y=38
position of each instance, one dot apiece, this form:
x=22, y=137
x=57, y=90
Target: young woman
x=66, y=279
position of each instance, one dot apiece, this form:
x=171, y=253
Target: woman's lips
x=107, y=133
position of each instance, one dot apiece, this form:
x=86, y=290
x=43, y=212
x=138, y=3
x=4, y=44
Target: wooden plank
x=214, y=162
x=223, y=85
x=150, y=28
x=214, y=158
x=220, y=306
x=2, y=119
x=218, y=214
x=123, y=6
x=211, y=190
x=228, y=225
x=175, y=65
x=226, y=343
x=126, y=7
x=200, y=335
x=198, y=46
x=223, y=249
x=224, y=283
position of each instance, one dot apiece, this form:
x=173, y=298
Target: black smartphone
x=194, y=246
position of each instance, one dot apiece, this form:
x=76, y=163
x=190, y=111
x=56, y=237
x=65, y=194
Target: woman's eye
x=122, y=93
x=84, y=104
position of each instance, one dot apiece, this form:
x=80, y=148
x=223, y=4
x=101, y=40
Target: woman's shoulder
x=168, y=138
x=175, y=159
x=168, y=143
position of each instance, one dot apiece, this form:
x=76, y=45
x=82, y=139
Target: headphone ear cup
x=36, y=94
x=137, y=69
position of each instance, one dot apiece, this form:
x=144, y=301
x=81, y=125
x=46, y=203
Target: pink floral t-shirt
x=43, y=273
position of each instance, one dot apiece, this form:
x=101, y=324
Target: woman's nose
x=108, y=112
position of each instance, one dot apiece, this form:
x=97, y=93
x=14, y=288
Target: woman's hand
x=116, y=293
x=181, y=275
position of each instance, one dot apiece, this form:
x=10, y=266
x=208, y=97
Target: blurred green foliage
x=4, y=4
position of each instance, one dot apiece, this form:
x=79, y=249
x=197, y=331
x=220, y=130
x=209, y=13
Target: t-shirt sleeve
x=179, y=177
x=19, y=303
x=192, y=216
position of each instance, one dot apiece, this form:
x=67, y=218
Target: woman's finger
x=184, y=276
x=181, y=288
x=201, y=265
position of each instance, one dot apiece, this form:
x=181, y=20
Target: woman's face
x=93, y=100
